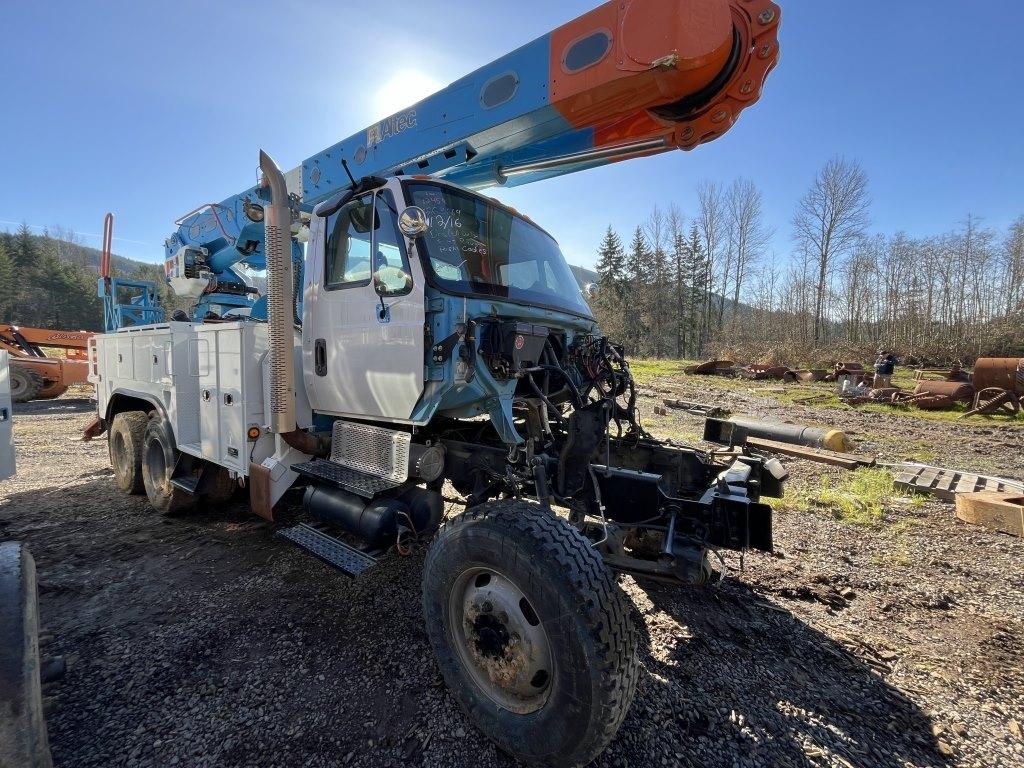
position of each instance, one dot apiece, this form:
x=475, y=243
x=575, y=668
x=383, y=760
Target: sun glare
x=403, y=89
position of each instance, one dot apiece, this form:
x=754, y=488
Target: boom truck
x=414, y=333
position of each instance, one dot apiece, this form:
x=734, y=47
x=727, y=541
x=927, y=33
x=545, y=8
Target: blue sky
x=149, y=109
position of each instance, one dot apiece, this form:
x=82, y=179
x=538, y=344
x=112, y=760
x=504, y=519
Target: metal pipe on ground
x=736, y=429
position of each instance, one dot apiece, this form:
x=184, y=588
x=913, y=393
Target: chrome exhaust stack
x=280, y=293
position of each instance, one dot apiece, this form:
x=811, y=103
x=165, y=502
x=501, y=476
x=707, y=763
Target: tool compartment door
x=361, y=358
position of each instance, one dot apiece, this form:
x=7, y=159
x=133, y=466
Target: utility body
x=414, y=333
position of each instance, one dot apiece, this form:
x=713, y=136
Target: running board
x=332, y=551
x=352, y=480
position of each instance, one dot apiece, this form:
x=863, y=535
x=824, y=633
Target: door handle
x=320, y=357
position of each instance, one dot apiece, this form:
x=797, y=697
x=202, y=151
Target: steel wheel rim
x=156, y=463
x=500, y=640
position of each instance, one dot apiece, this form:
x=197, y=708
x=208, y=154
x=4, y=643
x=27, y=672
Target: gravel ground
x=206, y=641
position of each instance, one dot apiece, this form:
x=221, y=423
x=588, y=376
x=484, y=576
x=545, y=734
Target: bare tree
x=657, y=235
x=748, y=234
x=830, y=218
x=712, y=225
x=1013, y=267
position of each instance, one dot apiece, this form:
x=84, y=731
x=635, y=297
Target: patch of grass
x=858, y=498
x=648, y=371
x=668, y=428
x=922, y=452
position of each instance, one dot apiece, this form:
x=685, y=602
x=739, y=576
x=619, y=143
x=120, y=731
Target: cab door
x=363, y=352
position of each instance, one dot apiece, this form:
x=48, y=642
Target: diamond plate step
x=351, y=480
x=332, y=551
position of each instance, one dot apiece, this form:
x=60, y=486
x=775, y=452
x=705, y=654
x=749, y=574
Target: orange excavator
x=34, y=375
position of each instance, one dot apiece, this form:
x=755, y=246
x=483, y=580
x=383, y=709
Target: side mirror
x=590, y=290
x=413, y=222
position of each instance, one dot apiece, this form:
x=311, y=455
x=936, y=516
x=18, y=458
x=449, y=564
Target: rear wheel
x=159, y=457
x=26, y=384
x=221, y=487
x=124, y=443
x=531, y=632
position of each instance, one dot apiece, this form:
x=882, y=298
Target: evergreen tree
x=681, y=286
x=26, y=254
x=8, y=287
x=698, y=300
x=609, y=303
x=638, y=277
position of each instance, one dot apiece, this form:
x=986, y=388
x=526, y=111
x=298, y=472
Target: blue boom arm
x=630, y=78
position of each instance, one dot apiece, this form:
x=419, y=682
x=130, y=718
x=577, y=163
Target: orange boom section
x=680, y=70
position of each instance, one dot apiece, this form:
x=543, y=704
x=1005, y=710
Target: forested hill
x=51, y=283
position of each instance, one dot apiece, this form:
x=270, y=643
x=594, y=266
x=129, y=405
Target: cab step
x=346, y=558
x=362, y=484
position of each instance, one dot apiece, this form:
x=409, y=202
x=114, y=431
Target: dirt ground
x=208, y=641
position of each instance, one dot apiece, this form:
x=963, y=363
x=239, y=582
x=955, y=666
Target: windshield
x=477, y=247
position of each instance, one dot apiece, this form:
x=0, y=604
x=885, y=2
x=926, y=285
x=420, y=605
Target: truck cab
x=421, y=270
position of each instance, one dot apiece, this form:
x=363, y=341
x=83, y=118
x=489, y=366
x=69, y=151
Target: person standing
x=885, y=366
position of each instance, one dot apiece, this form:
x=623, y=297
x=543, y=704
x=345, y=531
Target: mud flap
x=259, y=491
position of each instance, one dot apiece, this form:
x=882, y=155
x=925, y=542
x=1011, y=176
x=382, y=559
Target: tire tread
x=601, y=604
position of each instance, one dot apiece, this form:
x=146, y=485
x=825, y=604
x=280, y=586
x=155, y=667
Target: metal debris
x=994, y=401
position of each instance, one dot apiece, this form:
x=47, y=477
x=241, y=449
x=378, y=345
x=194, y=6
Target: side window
x=364, y=240
x=348, y=245
x=390, y=262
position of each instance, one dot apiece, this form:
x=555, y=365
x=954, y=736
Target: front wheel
x=531, y=632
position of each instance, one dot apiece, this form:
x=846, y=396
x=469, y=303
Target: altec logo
x=393, y=126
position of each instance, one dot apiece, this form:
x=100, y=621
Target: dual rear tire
x=143, y=456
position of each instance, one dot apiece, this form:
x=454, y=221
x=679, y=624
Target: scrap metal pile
x=996, y=386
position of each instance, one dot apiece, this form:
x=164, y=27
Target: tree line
x=49, y=280
x=707, y=285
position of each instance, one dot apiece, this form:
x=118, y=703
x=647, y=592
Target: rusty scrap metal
x=1002, y=372
x=958, y=391
x=993, y=401
x=712, y=368
x=761, y=372
x=816, y=374
x=698, y=409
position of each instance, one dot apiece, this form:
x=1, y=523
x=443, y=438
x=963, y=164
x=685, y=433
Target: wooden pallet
x=946, y=483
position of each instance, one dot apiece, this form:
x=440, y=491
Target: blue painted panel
x=451, y=116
